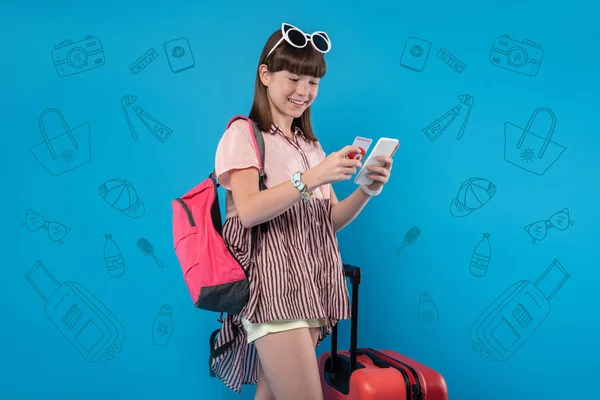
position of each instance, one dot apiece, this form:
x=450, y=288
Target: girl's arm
x=255, y=206
x=343, y=212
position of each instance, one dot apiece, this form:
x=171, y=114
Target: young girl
x=297, y=286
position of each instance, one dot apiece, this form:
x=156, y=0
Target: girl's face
x=290, y=94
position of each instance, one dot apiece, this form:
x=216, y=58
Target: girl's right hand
x=336, y=167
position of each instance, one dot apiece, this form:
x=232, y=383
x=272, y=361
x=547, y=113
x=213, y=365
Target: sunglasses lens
x=57, y=231
x=296, y=38
x=320, y=42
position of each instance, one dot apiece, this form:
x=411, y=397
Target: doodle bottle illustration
x=79, y=316
x=163, y=326
x=513, y=317
x=428, y=313
x=113, y=258
x=480, y=260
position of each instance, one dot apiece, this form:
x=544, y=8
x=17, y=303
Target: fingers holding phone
x=378, y=165
x=337, y=166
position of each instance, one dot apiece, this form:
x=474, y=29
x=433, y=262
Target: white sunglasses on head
x=294, y=36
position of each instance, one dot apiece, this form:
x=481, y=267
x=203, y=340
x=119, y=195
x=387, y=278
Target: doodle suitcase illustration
x=369, y=374
x=516, y=314
x=78, y=315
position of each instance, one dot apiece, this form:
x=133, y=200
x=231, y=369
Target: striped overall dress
x=295, y=271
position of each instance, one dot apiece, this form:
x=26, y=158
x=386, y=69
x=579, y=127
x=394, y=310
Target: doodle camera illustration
x=65, y=152
x=72, y=58
x=143, y=120
x=481, y=257
x=450, y=60
x=560, y=220
x=179, y=54
x=523, y=57
x=162, y=328
x=439, y=126
x=146, y=248
x=113, y=258
x=146, y=59
x=415, y=54
x=56, y=230
x=121, y=195
x=529, y=151
x=473, y=194
x=516, y=314
x=78, y=315
x=410, y=237
x=428, y=313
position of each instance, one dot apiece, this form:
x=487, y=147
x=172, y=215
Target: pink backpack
x=214, y=277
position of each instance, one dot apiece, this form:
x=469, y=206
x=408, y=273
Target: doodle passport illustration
x=65, y=152
x=81, y=318
x=529, y=151
x=516, y=314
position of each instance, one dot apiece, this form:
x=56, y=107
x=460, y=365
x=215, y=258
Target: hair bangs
x=303, y=61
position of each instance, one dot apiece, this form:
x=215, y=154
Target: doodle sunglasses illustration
x=559, y=220
x=295, y=37
x=34, y=221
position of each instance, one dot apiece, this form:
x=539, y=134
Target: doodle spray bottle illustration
x=480, y=260
x=516, y=314
x=113, y=258
x=162, y=328
x=428, y=313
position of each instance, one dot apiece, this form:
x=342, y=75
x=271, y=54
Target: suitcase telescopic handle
x=353, y=273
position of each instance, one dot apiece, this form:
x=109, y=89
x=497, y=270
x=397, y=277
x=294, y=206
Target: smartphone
x=363, y=144
x=384, y=147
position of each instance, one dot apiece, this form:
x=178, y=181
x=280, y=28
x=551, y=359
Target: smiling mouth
x=296, y=102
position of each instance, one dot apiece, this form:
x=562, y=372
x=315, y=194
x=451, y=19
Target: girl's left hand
x=380, y=175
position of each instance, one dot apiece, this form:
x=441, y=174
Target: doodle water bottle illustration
x=113, y=258
x=480, y=260
x=162, y=328
x=78, y=315
x=516, y=314
x=428, y=313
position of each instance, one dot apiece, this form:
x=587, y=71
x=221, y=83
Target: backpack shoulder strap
x=260, y=143
x=258, y=140
x=259, y=147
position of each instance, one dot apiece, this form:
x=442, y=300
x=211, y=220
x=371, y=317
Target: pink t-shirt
x=283, y=157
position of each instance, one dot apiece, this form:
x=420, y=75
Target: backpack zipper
x=190, y=217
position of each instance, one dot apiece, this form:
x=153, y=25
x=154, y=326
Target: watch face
x=296, y=179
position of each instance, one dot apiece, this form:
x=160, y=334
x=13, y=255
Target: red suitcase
x=369, y=374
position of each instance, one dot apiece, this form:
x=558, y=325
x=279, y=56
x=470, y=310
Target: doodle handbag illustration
x=64, y=152
x=529, y=151
x=516, y=314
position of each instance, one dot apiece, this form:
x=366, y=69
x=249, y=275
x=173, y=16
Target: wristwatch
x=298, y=184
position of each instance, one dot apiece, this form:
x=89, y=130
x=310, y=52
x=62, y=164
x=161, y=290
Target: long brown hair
x=304, y=61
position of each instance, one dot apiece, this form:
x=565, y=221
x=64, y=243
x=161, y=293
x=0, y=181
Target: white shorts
x=258, y=330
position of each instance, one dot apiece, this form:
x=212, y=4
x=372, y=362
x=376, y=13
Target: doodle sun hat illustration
x=122, y=196
x=474, y=193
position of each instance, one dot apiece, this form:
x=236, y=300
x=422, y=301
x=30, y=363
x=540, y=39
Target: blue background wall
x=368, y=92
